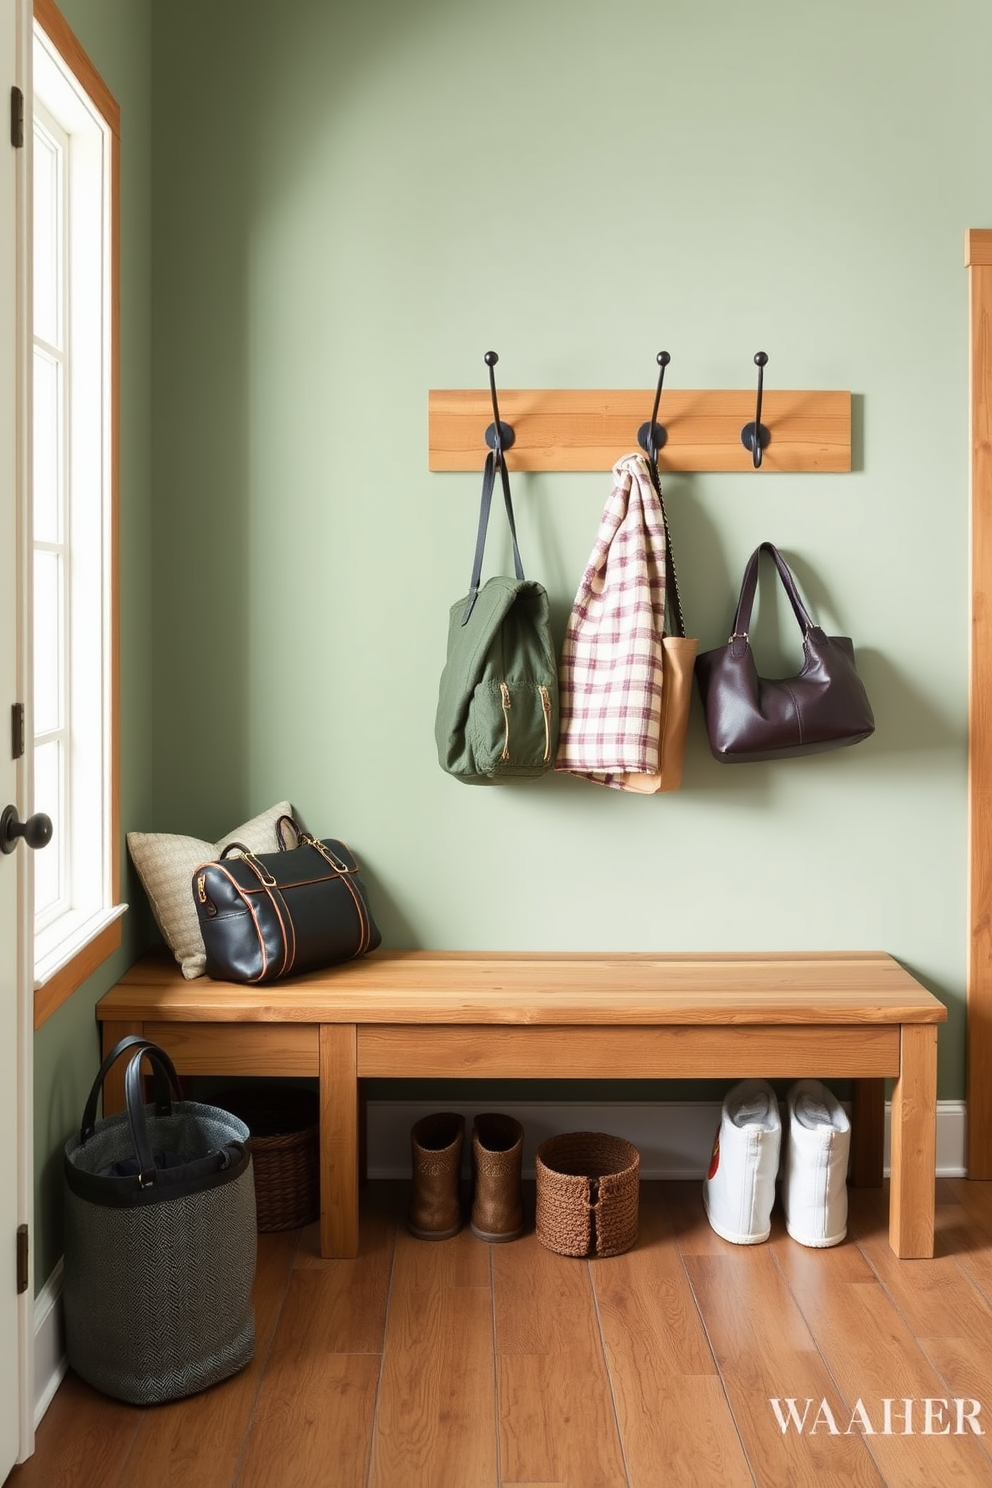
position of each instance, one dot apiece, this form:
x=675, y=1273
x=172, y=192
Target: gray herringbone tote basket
x=157, y=1286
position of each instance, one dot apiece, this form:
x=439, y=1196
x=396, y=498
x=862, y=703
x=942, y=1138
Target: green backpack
x=497, y=710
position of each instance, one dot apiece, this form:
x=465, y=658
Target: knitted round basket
x=284, y=1145
x=587, y=1194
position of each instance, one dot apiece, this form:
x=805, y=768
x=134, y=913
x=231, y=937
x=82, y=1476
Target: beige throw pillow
x=166, y=865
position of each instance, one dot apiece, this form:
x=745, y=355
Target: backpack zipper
x=504, y=693
x=546, y=707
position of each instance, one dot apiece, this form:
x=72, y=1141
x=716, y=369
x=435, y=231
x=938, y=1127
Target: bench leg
x=338, y=1140
x=914, y=1143
x=867, y=1133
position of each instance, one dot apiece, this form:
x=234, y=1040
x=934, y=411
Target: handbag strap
x=133, y=1093
x=749, y=584
x=162, y=1068
x=673, y=597
x=493, y=461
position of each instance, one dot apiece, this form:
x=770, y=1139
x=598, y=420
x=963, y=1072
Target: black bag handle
x=235, y=846
x=745, y=604
x=133, y=1099
x=488, y=482
x=162, y=1068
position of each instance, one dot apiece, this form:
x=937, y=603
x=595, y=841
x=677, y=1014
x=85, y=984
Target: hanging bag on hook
x=750, y=717
x=678, y=657
x=626, y=684
x=497, y=710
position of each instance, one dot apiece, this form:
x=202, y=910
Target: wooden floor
x=464, y=1365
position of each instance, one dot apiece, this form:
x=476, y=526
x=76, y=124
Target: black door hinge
x=17, y=118
x=16, y=730
x=22, y=1258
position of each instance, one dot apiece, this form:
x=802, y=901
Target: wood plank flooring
x=687, y=1361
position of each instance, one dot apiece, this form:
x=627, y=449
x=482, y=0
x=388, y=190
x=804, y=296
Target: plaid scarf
x=611, y=662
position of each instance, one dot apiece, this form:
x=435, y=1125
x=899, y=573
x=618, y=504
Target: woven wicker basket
x=587, y=1186
x=284, y=1127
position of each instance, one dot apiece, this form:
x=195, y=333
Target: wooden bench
x=443, y=1015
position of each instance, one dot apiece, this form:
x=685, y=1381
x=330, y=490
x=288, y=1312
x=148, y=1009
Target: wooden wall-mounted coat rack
x=580, y=429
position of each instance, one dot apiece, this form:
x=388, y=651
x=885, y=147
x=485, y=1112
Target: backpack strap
x=494, y=460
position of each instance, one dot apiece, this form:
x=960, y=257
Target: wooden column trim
x=912, y=1195
x=978, y=258
x=339, y=1120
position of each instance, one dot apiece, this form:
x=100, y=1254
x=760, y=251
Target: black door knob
x=36, y=831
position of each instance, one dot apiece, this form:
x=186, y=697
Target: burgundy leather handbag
x=749, y=717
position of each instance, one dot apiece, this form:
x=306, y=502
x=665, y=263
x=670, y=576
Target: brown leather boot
x=436, y=1142
x=497, y=1151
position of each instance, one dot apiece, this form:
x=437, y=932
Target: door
x=16, y=1022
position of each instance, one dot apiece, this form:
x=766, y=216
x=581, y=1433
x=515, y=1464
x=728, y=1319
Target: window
x=74, y=458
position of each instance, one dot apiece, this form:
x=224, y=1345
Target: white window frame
x=83, y=927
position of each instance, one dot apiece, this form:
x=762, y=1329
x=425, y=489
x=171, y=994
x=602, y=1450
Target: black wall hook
x=499, y=436
x=755, y=436
x=651, y=436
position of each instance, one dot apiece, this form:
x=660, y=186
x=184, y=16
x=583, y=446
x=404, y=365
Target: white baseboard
x=674, y=1140
x=49, y=1343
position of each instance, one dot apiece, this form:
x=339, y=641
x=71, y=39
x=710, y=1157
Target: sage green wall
x=116, y=34
x=352, y=204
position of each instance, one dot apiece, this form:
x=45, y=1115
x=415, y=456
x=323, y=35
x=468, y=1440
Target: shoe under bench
x=543, y=1015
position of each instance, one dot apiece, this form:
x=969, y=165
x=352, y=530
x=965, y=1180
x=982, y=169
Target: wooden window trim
x=60, y=987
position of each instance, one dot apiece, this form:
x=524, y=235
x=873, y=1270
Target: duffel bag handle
x=246, y=852
x=136, y=1107
x=300, y=834
x=162, y=1068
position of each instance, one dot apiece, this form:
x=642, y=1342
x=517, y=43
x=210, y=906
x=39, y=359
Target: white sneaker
x=739, y=1189
x=814, y=1167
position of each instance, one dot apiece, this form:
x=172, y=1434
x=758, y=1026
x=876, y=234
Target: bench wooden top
x=544, y=987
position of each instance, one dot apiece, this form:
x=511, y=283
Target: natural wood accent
x=338, y=1138
x=60, y=988
x=759, y=1337
x=287, y=1050
x=978, y=247
x=438, y=1365
x=844, y=1298
x=552, y=987
x=555, y=1425
x=666, y=1384
x=582, y=429
x=481, y=1366
x=57, y=29
x=914, y=1143
x=978, y=257
x=447, y=1014
x=868, y=1118
x=315, y=1409
x=581, y=1053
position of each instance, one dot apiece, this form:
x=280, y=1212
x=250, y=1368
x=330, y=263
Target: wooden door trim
x=978, y=259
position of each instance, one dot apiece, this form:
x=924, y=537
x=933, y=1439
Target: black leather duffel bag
x=266, y=915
